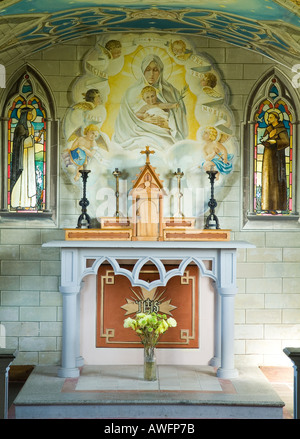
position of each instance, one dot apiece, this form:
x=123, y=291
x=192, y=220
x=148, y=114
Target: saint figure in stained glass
x=23, y=181
x=26, y=153
x=275, y=140
x=273, y=177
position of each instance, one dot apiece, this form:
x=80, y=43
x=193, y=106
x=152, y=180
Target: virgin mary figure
x=132, y=131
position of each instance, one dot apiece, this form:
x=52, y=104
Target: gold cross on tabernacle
x=147, y=152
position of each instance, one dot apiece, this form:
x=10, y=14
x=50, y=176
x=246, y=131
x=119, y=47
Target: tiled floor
x=282, y=381
x=187, y=378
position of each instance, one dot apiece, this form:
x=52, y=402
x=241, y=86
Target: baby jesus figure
x=154, y=111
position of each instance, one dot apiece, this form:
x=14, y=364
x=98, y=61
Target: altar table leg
x=69, y=367
x=79, y=358
x=216, y=360
x=227, y=369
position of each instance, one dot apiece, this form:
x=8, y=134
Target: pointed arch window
x=269, y=165
x=27, y=132
x=273, y=155
x=29, y=166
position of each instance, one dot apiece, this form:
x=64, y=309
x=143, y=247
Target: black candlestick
x=212, y=221
x=84, y=219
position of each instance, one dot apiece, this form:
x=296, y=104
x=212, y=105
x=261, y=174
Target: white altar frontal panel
x=80, y=261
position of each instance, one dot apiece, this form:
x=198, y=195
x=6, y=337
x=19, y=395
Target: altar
x=80, y=259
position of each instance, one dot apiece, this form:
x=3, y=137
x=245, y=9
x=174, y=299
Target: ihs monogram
x=148, y=301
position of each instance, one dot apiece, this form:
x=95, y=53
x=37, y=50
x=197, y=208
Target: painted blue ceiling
x=269, y=27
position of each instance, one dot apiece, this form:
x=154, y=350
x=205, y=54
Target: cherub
x=208, y=82
x=180, y=50
x=114, y=48
x=215, y=153
x=154, y=111
x=83, y=146
x=92, y=98
x=88, y=111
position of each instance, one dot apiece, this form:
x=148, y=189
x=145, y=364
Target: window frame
x=250, y=219
x=47, y=217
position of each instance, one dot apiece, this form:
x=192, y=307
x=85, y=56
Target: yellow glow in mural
x=131, y=73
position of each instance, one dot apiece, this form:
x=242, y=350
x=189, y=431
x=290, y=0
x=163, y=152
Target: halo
x=33, y=110
x=144, y=51
x=273, y=110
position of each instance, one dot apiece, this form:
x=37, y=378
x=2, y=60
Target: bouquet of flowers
x=150, y=326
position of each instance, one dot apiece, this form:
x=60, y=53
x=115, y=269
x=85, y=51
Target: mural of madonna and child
x=148, y=90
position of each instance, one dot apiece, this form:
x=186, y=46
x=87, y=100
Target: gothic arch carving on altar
x=164, y=275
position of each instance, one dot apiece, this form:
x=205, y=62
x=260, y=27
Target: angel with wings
x=208, y=82
x=88, y=110
x=83, y=147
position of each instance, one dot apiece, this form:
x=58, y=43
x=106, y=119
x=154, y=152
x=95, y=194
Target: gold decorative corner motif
x=110, y=333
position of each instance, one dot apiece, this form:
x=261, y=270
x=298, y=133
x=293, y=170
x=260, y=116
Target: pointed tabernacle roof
x=147, y=168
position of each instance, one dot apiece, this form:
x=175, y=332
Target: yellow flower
x=140, y=315
x=165, y=325
x=142, y=322
x=162, y=327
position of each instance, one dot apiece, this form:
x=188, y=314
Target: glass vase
x=149, y=363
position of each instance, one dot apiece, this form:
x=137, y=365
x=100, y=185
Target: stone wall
x=268, y=301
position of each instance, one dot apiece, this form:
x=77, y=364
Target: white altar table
x=82, y=258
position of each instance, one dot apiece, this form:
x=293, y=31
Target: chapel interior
x=149, y=163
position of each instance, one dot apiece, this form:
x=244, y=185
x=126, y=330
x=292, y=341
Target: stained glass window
x=273, y=155
x=26, y=153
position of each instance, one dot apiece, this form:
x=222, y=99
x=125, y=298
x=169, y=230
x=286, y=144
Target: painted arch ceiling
x=269, y=27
